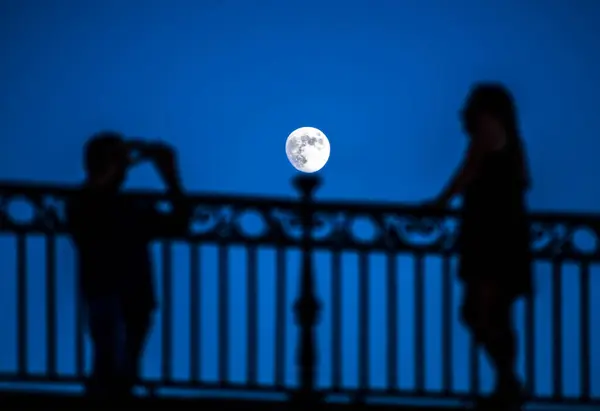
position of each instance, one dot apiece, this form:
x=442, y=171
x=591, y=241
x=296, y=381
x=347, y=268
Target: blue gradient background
x=227, y=81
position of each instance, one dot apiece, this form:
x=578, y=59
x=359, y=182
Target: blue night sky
x=226, y=81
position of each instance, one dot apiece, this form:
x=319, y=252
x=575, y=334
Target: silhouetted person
x=112, y=234
x=494, y=242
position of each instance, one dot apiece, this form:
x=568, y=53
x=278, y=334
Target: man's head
x=106, y=158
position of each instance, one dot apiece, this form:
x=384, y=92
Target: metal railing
x=371, y=288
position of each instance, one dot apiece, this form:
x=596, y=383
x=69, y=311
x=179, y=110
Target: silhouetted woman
x=494, y=233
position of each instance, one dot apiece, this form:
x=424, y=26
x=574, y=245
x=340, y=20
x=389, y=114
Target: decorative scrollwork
x=338, y=226
x=565, y=239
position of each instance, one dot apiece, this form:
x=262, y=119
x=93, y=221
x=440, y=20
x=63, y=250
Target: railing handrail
x=349, y=206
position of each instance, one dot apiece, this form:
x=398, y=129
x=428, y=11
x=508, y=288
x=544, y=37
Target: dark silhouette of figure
x=494, y=239
x=112, y=234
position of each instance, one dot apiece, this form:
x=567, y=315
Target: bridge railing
x=298, y=296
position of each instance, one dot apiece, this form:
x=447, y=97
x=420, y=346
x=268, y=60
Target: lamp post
x=307, y=306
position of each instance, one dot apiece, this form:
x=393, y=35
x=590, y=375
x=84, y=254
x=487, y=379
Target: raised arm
x=174, y=222
x=177, y=220
x=464, y=174
x=490, y=137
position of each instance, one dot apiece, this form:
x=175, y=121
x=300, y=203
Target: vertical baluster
x=557, y=333
x=363, y=322
x=280, y=316
x=51, y=305
x=336, y=320
x=195, y=314
x=584, y=327
x=419, y=324
x=22, y=334
x=223, y=314
x=167, y=312
x=252, y=316
x=392, y=321
x=447, y=318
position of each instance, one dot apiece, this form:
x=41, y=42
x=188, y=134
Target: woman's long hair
x=496, y=100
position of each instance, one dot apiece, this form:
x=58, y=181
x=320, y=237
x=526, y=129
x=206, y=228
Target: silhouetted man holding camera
x=112, y=234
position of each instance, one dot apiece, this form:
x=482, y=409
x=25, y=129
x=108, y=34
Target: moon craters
x=307, y=149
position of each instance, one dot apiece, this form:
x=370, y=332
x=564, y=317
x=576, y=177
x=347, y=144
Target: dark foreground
x=45, y=401
x=31, y=401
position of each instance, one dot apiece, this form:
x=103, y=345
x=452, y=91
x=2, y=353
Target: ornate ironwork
x=306, y=224
x=33, y=208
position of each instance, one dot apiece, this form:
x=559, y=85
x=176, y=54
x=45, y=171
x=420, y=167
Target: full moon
x=307, y=149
